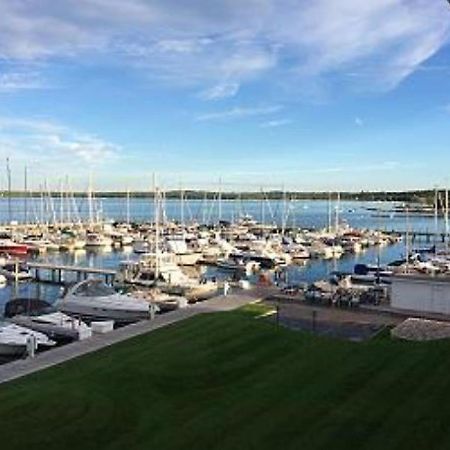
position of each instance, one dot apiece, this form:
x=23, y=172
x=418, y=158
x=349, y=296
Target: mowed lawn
x=232, y=381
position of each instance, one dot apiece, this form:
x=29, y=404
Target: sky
x=272, y=94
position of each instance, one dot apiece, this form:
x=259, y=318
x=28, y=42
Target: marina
x=110, y=269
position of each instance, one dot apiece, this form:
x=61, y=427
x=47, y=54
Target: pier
x=56, y=272
x=22, y=367
x=427, y=236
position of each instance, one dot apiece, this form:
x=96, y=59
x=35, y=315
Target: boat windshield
x=94, y=289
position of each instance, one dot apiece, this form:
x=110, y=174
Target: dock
x=56, y=272
x=23, y=367
x=427, y=236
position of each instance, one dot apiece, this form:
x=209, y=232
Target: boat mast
x=8, y=175
x=263, y=219
x=446, y=219
x=90, y=206
x=436, y=229
x=128, y=206
x=181, y=205
x=407, y=240
x=338, y=203
x=329, y=212
x=25, y=195
x=156, y=213
x=61, y=203
x=220, y=200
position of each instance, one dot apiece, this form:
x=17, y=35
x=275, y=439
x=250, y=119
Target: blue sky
x=323, y=95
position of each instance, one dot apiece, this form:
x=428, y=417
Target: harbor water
x=306, y=214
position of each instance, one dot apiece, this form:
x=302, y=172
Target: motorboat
x=184, y=256
x=141, y=246
x=12, y=248
x=15, y=339
x=93, y=298
x=56, y=325
x=97, y=240
x=237, y=265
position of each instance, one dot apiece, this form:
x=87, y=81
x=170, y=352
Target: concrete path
x=22, y=367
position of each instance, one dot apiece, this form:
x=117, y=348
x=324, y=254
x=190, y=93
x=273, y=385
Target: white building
x=421, y=293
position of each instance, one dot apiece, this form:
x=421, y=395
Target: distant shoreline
x=419, y=196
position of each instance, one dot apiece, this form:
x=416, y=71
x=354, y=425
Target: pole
x=8, y=174
x=25, y=195
x=220, y=200
x=436, y=228
x=446, y=219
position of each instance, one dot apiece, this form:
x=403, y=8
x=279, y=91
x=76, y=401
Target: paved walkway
x=22, y=367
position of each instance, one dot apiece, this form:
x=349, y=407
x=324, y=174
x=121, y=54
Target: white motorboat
x=56, y=325
x=237, y=265
x=14, y=340
x=141, y=246
x=98, y=240
x=94, y=299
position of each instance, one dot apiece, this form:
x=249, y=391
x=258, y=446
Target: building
x=421, y=293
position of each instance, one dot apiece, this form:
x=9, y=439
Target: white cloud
x=221, y=90
x=14, y=81
x=239, y=112
x=227, y=44
x=276, y=123
x=359, y=122
x=53, y=144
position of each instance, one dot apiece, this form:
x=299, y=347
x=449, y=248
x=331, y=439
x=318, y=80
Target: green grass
x=230, y=381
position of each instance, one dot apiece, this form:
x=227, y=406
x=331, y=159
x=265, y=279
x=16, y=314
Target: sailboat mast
x=446, y=218
x=220, y=200
x=329, y=212
x=90, y=206
x=8, y=174
x=436, y=229
x=338, y=205
x=25, y=195
x=128, y=206
x=181, y=205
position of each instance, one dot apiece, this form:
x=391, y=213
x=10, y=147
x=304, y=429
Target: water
x=305, y=213
x=308, y=214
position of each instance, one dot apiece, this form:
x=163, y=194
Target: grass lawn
x=230, y=381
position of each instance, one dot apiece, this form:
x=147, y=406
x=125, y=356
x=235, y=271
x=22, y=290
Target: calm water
x=305, y=213
x=310, y=214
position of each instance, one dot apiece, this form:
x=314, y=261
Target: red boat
x=12, y=248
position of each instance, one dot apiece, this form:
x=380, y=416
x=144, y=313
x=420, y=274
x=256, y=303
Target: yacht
x=97, y=240
x=94, y=299
x=184, y=256
x=237, y=265
x=12, y=248
x=56, y=325
x=14, y=340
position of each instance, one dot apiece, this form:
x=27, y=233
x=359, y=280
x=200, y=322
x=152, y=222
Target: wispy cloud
x=275, y=123
x=239, y=112
x=229, y=44
x=52, y=143
x=359, y=122
x=221, y=90
x=15, y=81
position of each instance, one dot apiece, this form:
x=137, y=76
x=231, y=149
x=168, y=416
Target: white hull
x=92, y=312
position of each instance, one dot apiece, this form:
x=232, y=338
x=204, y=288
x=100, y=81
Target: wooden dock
x=56, y=272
